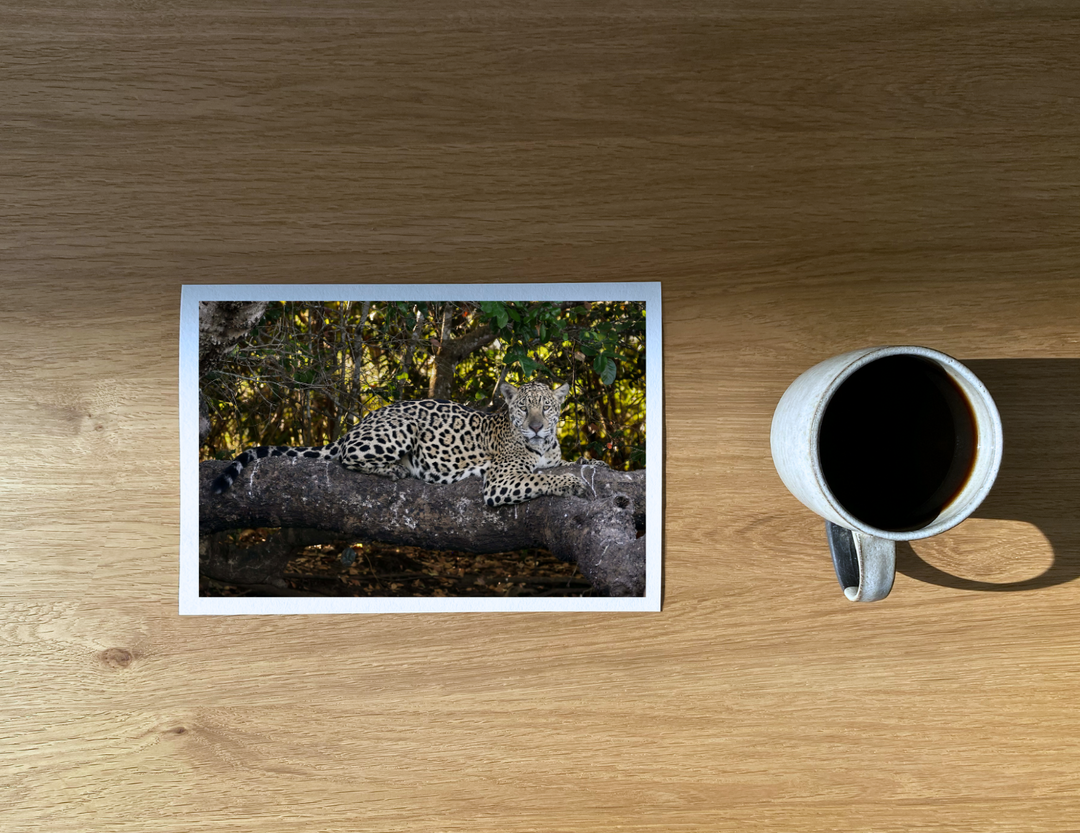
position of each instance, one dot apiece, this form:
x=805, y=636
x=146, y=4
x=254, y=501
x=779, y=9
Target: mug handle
x=864, y=564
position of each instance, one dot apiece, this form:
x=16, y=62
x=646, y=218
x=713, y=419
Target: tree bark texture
x=600, y=533
x=223, y=323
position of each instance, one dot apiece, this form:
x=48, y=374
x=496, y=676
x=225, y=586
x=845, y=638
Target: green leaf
x=605, y=366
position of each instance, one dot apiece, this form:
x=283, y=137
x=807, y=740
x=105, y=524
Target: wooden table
x=803, y=178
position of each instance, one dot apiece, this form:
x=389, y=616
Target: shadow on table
x=1039, y=479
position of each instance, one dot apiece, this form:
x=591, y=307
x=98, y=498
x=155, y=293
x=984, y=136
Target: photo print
x=416, y=448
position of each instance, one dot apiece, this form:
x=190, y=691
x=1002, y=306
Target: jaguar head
x=534, y=411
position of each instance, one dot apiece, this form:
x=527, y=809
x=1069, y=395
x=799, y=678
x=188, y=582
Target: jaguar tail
x=228, y=477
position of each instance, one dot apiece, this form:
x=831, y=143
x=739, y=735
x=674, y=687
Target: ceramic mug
x=886, y=444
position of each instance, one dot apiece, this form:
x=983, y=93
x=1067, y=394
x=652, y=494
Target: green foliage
x=307, y=372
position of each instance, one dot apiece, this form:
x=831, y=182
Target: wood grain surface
x=804, y=178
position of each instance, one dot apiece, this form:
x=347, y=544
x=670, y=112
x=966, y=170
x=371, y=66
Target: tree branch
x=451, y=351
x=600, y=535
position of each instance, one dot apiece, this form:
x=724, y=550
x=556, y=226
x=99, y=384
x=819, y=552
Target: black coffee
x=897, y=442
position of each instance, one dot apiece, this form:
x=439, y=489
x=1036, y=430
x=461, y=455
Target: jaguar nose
x=535, y=425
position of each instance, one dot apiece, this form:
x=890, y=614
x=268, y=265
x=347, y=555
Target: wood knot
x=117, y=657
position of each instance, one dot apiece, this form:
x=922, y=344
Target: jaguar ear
x=561, y=392
x=508, y=391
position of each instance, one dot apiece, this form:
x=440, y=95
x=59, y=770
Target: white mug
x=886, y=444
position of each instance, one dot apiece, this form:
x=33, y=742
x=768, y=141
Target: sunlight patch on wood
x=989, y=550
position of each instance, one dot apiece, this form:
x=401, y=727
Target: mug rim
x=963, y=503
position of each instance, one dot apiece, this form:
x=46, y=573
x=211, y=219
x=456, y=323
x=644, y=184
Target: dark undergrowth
x=344, y=568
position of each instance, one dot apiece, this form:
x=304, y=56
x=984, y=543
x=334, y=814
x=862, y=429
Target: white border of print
x=190, y=601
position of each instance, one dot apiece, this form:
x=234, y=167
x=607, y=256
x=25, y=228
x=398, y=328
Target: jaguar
x=438, y=441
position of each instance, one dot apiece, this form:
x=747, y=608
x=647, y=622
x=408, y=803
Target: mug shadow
x=1039, y=479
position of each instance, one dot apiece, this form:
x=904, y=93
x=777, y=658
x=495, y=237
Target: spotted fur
x=443, y=442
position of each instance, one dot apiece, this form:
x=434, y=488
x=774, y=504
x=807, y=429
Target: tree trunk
x=599, y=534
x=223, y=323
